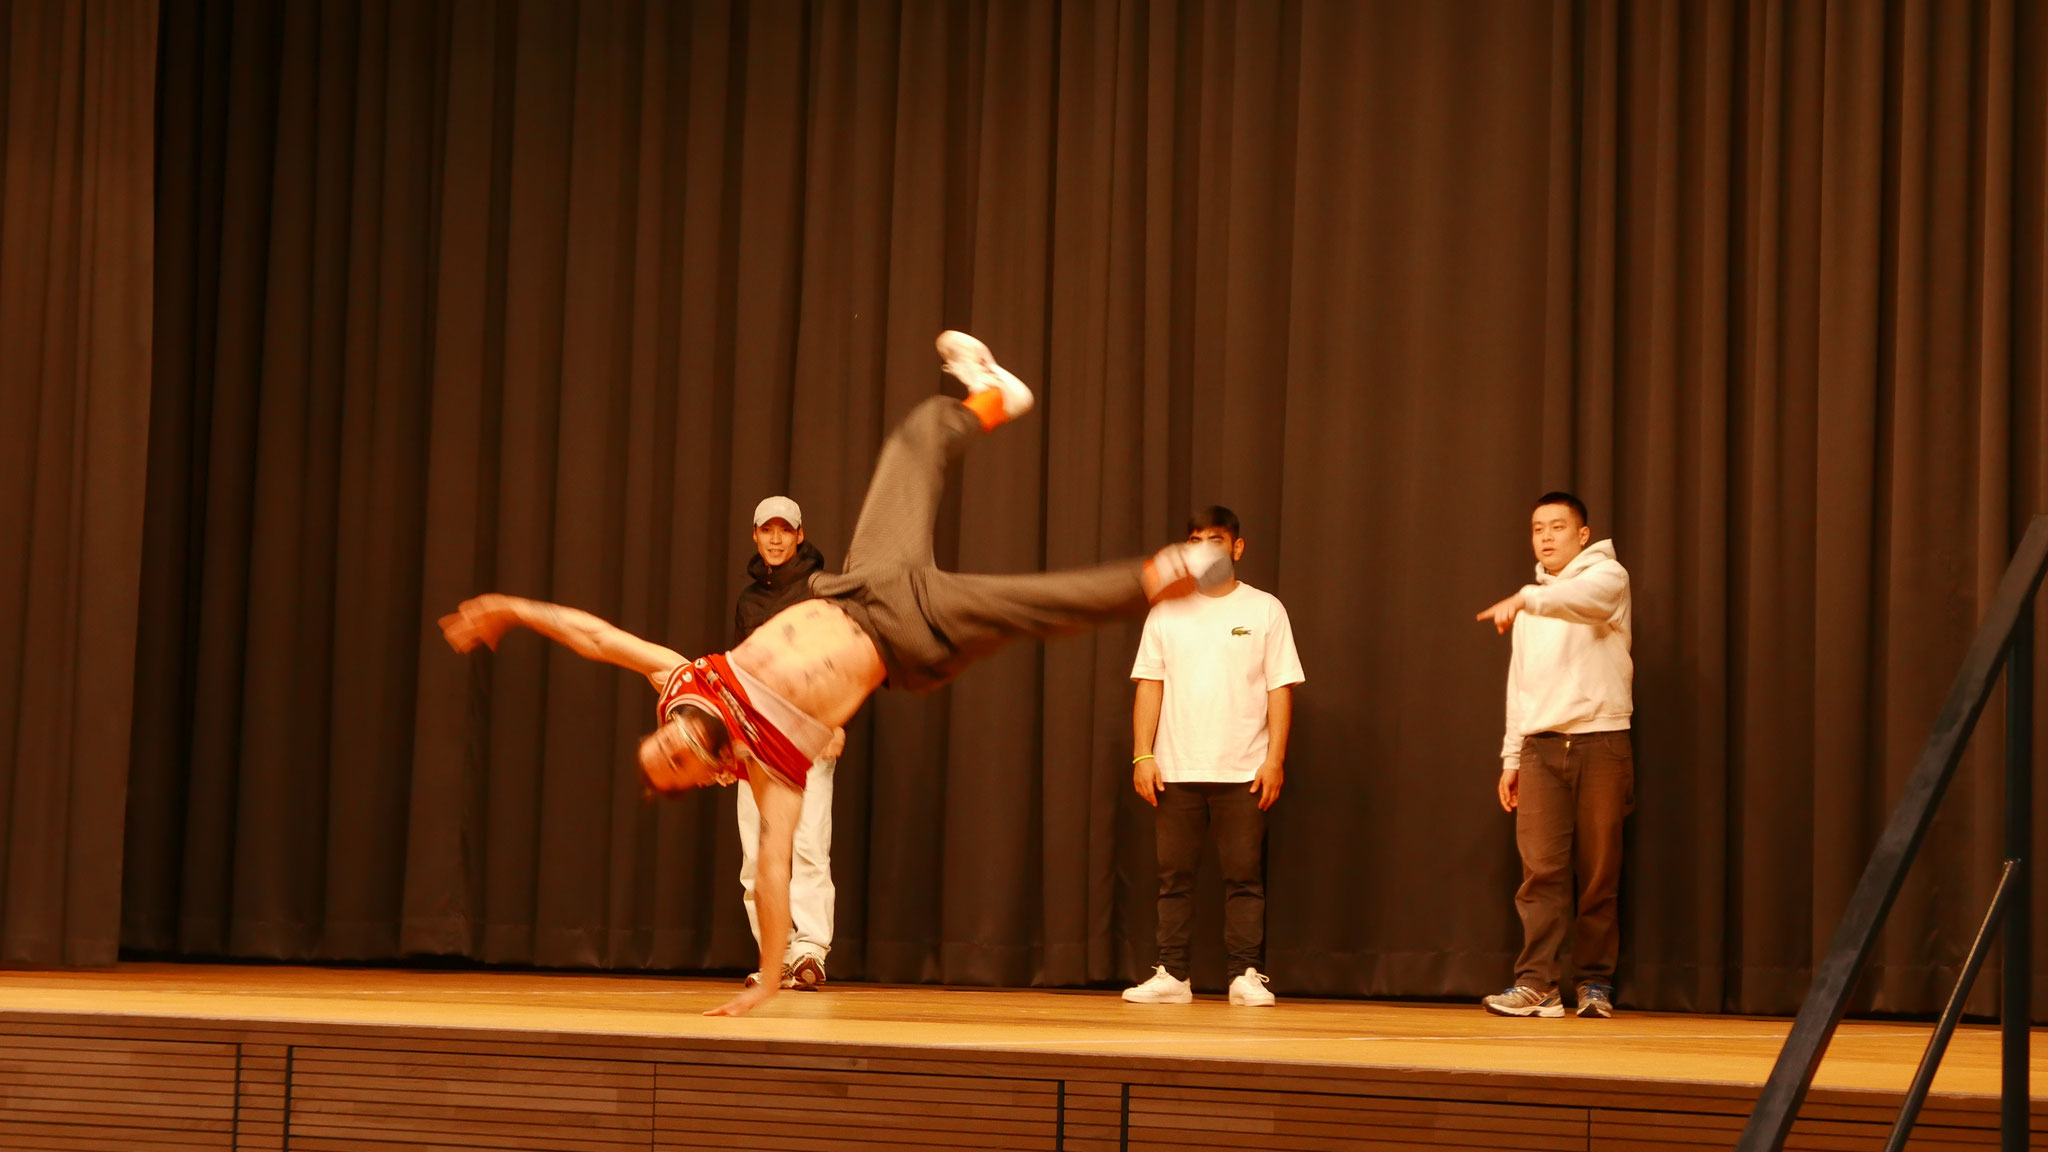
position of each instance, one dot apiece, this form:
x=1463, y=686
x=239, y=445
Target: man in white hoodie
x=1567, y=772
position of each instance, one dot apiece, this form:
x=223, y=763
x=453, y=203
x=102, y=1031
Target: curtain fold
x=77, y=85
x=542, y=297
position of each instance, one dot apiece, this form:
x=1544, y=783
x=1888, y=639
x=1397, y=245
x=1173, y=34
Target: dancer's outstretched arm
x=781, y=805
x=486, y=618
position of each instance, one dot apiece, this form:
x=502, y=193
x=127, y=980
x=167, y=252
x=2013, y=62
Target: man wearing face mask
x=1567, y=772
x=1215, y=698
x=781, y=570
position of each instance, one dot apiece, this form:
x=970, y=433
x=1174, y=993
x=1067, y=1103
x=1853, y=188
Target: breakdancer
x=765, y=710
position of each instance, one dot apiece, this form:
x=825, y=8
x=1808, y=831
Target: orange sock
x=987, y=406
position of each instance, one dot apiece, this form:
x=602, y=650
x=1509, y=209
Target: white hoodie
x=1570, y=670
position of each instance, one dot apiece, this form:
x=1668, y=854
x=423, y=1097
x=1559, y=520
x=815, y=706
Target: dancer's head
x=1557, y=530
x=778, y=529
x=692, y=749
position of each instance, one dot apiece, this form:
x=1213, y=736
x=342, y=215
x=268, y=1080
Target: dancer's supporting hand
x=748, y=999
x=781, y=805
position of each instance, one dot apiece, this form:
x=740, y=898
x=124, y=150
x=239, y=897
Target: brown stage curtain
x=542, y=296
x=77, y=91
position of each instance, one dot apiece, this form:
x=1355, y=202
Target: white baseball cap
x=778, y=508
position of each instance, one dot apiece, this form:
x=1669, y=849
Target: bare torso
x=813, y=655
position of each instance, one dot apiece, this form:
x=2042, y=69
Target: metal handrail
x=2005, y=640
x=1937, y=1046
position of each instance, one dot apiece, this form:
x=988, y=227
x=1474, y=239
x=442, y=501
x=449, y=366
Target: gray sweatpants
x=930, y=625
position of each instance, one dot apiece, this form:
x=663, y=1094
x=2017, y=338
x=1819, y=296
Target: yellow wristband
x=1146, y=756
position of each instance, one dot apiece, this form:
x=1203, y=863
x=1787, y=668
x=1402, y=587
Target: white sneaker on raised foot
x=969, y=361
x=1186, y=568
x=1250, y=990
x=1162, y=988
x=1210, y=563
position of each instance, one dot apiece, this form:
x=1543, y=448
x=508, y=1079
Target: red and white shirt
x=711, y=681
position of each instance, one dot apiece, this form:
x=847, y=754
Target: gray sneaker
x=1596, y=1001
x=1522, y=1000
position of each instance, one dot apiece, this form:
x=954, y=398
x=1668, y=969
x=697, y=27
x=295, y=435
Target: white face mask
x=1219, y=567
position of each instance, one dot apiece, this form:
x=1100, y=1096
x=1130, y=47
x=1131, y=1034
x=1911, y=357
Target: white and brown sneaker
x=806, y=974
x=969, y=361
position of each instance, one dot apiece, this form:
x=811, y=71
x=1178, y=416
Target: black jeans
x=928, y=624
x=1186, y=814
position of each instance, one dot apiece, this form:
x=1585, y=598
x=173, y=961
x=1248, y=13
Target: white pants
x=811, y=893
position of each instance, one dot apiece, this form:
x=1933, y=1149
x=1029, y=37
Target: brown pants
x=930, y=625
x=1573, y=795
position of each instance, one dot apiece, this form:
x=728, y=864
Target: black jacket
x=775, y=588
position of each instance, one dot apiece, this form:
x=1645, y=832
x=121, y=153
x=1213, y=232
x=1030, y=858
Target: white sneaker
x=754, y=978
x=1250, y=990
x=1186, y=568
x=1162, y=988
x=970, y=362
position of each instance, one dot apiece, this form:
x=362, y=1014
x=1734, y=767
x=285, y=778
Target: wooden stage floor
x=186, y=1056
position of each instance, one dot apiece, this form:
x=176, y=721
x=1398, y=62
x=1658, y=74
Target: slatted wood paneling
x=65, y=1093
x=259, y=1113
x=317, y=1061
x=1170, y=1119
x=346, y=1098
x=773, y=1109
x=1615, y=1131
x=1092, y=1120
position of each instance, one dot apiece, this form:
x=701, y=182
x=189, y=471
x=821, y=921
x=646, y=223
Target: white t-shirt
x=1219, y=656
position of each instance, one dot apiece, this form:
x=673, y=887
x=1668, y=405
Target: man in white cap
x=769, y=708
x=781, y=571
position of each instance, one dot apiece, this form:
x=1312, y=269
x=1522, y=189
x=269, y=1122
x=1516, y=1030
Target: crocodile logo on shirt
x=1240, y=631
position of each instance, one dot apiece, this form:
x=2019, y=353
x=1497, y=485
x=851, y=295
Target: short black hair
x=1214, y=516
x=1570, y=501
